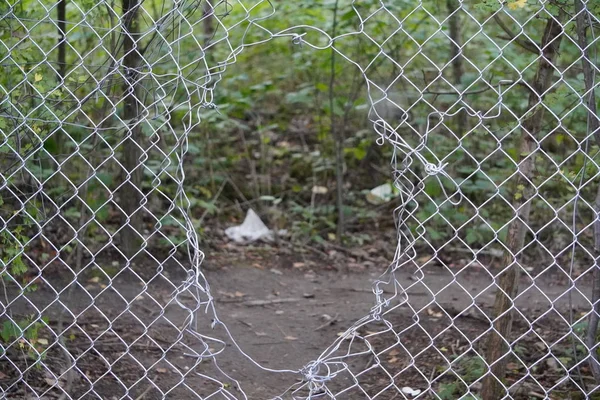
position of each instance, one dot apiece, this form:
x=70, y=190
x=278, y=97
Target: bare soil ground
x=284, y=308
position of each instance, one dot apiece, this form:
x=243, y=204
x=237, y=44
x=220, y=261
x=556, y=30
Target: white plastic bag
x=251, y=230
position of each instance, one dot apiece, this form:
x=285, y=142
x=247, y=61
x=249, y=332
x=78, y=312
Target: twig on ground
x=326, y=324
x=248, y=324
x=253, y=303
x=147, y=390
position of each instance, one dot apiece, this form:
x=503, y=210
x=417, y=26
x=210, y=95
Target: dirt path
x=281, y=312
x=285, y=317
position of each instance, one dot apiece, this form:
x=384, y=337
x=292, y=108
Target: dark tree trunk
x=497, y=352
x=61, y=16
x=208, y=24
x=582, y=23
x=131, y=195
x=456, y=57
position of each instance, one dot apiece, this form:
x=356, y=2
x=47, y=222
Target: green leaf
x=435, y=235
x=472, y=237
x=10, y=331
x=18, y=267
x=318, y=239
x=322, y=87
x=72, y=212
x=210, y=207
x=447, y=391
x=358, y=153
x=105, y=178
x=102, y=214
x=489, y=5
x=432, y=188
x=51, y=146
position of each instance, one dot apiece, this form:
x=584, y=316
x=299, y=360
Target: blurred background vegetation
x=290, y=135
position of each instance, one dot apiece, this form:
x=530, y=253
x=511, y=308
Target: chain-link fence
x=491, y=112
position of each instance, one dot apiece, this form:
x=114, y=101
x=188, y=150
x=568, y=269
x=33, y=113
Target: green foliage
x=26, y=332
x=271, y=134
x=12, y=265
x=573, y=351
x=13, y=268
x=489, y=5
x=468, y=369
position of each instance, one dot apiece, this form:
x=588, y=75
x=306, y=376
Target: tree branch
x=513, y=37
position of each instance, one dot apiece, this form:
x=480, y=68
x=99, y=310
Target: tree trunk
x=456, y=57
x=131, y=195
x=582, y=22
x=61, y=16
x=207, y=23
x=338, y=136
x=497, y=352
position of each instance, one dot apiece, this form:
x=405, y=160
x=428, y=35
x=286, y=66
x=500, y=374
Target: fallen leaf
x=424, y=259
x=161, y=370
x=50, y=379
x=319, y=190
x=552, y=364
x=435, y=314
x=410, y=391
x=516, y=4
x=42, y=341
x=394, y=352
x=347, y=336
x=541, y=346
x=512, y=366
x=393, y=360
